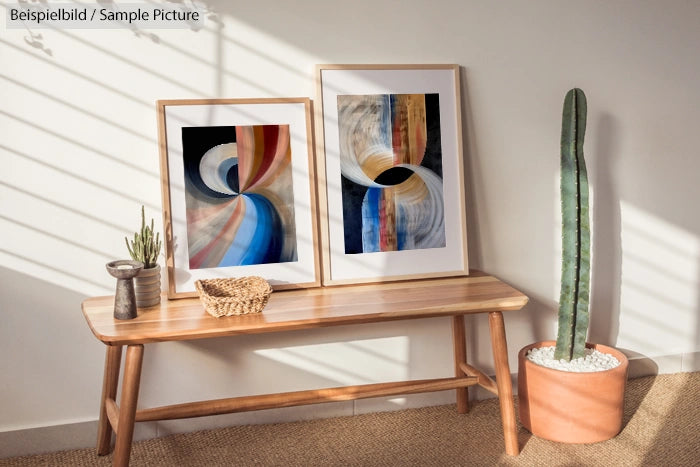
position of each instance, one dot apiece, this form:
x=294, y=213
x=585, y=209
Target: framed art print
x=238, y=191
x=390, y=171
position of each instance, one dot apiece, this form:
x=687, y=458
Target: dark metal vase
x=125, y=297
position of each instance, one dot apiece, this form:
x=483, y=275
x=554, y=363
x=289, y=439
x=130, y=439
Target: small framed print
x=390, y=171
x=238, y=188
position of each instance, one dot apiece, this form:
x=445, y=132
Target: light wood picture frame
x=239, y=194
x=390, y=172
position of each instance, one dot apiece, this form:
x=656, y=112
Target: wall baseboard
x=641, y=365
x=44, y=439
x=83, y=435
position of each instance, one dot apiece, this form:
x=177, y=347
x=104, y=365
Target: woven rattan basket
x=226, y=297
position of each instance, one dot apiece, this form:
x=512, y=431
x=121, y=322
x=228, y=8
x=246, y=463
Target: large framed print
x=390, y=171
x=238, y=189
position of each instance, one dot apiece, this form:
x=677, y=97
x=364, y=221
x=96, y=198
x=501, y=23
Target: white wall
x=79, y=156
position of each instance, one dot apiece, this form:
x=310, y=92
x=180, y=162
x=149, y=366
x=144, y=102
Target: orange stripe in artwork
x=387, y=221
x=417, y=129
x=398, y=134
x=421, y=143
x=255, y=156
x=245, y=145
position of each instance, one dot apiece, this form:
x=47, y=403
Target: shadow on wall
x=472, y=170
x=38, y=319
x=606, y=273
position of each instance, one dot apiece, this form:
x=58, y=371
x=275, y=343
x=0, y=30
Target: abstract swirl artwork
x=391, y=172
x=238, y=195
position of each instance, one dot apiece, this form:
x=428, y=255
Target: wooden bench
x=185, y=319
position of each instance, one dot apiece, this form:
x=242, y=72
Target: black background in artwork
x=433, y=148
x=196, y=141
x=353, y=193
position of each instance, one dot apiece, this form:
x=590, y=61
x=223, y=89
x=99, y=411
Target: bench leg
x=459, y=343
x=127, y=409
x=113, y=359
x=505, y=389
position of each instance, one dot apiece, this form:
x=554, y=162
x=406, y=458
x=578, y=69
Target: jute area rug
x=661, y=428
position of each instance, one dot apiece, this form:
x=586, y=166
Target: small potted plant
x=572, y=391
x=145, y=247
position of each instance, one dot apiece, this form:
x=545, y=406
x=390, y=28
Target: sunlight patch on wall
x=660, y=284
x=281, y=69
x=338, y=362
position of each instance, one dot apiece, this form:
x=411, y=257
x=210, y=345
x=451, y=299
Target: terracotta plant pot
x=571, y=407
x=147, y=287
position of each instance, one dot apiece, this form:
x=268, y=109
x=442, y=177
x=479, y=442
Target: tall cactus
x=576, y=234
